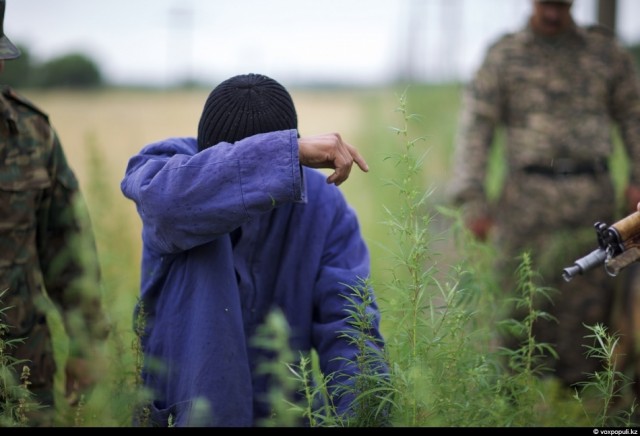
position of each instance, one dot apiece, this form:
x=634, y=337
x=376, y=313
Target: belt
x=568, y=167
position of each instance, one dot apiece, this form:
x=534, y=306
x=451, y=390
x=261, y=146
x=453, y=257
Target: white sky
x=159, y=42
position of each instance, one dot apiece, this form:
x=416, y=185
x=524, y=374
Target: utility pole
x=607, y=13
x=181, y=41
x=409, y=69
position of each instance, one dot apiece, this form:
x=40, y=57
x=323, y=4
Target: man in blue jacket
x=237, y=223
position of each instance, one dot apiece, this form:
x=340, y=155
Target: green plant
x=16, y=400
x=273, y=337
x=434, y=338
x=526, y=362
x=407, y=281
x=605, y=386
x=370, y=387
x=142, y=415
x=526, y=359
x=445, y=367
x=448, y=365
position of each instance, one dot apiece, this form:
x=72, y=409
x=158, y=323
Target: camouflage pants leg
x=626, y=322
x=585, y=301
x=534, y=215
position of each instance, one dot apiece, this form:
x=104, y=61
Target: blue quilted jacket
x=230, y=234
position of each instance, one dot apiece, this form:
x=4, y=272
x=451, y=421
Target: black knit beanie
x=243, y=106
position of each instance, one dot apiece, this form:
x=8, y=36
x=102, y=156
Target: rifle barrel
x=590, y=261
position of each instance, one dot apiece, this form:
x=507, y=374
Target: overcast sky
x=159, y=42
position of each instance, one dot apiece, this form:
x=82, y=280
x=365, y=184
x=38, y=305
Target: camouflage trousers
x=42, y=414
x=39, y=369
x=553, y=219
x=585, y=301
x=627, y=322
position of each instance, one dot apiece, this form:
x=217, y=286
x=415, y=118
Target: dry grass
x=116, y=123
x=119, y=122
x=123, y=121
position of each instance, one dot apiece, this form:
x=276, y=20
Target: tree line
x=79, y=71
x=72, y=70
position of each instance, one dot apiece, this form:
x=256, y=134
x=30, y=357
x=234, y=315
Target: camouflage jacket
x=46, y=242
x=556, y=100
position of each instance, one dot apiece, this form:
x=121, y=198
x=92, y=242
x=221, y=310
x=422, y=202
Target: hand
x=330, y=151
x=480, y=227
x=80, y=378
x=632, y=197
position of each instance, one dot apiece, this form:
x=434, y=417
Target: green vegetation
x=442, y=309
x=71, y=71
x=15, y=398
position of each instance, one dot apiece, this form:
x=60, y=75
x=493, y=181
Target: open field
x=443, y=354
x=101, y=130
x=104, y=129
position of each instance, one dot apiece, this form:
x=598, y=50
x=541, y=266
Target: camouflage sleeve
x=68, y=256
x=478, y=120
x=625, y=108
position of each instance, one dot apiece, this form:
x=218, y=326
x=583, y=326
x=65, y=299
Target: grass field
x=101, y=130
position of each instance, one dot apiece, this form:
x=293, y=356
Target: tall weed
x=445, y=327
x=16, y=401
x=441, y=323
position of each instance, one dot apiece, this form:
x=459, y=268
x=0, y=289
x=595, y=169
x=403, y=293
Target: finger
x=357, y=157
x=343, y=165
x=339, y=175
x=332, y=179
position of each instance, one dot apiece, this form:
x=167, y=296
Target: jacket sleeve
x=187, y=199
x=68, y=256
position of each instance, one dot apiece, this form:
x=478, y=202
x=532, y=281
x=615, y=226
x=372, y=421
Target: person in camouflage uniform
x=48, y=257
x=557, y=90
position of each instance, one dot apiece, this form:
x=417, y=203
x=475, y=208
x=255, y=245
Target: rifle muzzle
x=590, y=261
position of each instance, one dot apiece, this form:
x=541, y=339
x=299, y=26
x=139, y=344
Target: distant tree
x=635, y=51
x=69, y=71
x=17, y=72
